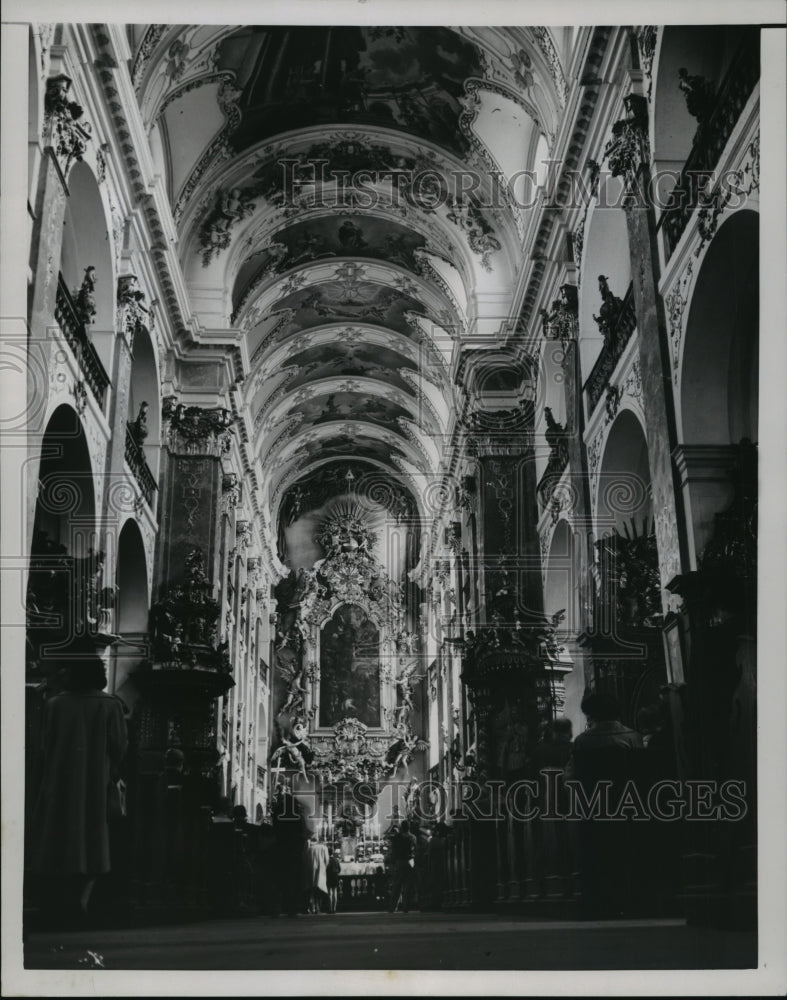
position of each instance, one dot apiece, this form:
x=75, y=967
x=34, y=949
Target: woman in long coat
x=84, y=741
x=316, y=874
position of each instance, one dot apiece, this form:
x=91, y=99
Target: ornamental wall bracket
x=243, y=533
x=230, y=491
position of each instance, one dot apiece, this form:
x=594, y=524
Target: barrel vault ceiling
x=355, y=300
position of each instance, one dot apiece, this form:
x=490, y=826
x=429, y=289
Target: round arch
x=87, y=242
x=560, y=586
x=718, y=374
x=719, y=365
x=145, y=387
x=65, y=510
x=63, y=540
x=624, y=489
x=131, y=607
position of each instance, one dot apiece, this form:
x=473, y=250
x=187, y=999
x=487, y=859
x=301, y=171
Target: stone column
x=562, y=323
x=188, y=670
x=503, y=667
x=128, y=319
x=628, y=157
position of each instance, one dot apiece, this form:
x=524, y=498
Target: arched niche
x=87, y=242
x=605, y=252
x=65, y=507
x=718, y=376
x=131, y=606
x=350, y=668
x=145, y=388
x=624, y=494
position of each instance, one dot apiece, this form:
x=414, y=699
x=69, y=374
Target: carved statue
x=293, y=747
x=85, y=298
x=700, y=95
x=69, y=133
x=404, y=746
x=555, y=435
x=404, y=684
x=610, y=310
x=294, y=674
x=139, y=429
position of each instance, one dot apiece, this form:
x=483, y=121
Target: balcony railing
x=710, y=140
x=135, y=460
x=612, y=350
x=74, y=331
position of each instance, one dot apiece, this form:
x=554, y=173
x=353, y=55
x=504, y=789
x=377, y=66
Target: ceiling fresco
x=324, y=238
x=349, y=360
x=348, y=298
x=345, y=444
x=351, y=406
x=408, y=79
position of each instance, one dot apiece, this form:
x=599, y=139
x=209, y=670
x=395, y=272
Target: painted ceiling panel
x=409, y=79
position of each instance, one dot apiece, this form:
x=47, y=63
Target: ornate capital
x=561, y=321
x=64, y=127
x=628, y=148
x=196, y=430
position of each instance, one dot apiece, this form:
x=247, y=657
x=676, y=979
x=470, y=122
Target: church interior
x=391, y=434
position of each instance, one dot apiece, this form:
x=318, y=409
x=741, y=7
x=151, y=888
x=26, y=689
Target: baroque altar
x=346, y=662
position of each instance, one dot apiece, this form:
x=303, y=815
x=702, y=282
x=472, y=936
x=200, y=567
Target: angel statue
x=404, y=684
x=401, y=751
x=294, y=674
x=293, y=747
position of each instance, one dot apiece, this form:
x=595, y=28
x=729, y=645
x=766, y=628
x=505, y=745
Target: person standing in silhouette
x=84, y=742
x=403, y=848
x=605, y=758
